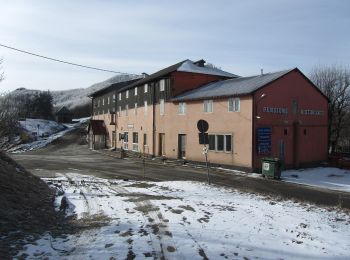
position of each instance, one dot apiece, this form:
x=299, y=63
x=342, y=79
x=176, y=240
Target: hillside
x=26, y=205
x=76, y=97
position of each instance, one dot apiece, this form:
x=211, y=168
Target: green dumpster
x=271, y=167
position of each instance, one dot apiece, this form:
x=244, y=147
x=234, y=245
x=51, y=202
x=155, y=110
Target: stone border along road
x=66, y=153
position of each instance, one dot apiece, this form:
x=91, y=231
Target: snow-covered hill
x=77, y=97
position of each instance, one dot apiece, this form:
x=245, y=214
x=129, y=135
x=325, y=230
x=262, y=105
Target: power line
x=61, y=61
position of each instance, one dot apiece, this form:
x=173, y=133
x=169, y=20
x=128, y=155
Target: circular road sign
x=202, y=126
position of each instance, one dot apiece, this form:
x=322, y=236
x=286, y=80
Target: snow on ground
x=189, y=220
x=47, y=132
x=330, y=178
x=40, y=126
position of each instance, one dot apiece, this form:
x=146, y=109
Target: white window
x=146, y=88
x=135, y=91
x=162, y=85
x=126, y=109
x=145, y=107
x=125, y=141
x=108, y=100
x=161, y=107
x=113, y=98
x=103, y=101
x=208, y=106
x=120, y=96
x=135, y=141
x=182, y=108
x=120, y=110
x=233, y=105
x=135, y=111
x=127, y=94
x=220, y=142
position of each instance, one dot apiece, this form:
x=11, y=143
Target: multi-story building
x=278, y=114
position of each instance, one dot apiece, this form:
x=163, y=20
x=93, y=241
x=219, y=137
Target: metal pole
x=206, y=163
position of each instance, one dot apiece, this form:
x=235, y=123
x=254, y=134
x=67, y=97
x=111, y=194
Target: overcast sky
x=144, y=36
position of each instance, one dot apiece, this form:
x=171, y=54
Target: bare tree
x=9, y=115
x=334, y=82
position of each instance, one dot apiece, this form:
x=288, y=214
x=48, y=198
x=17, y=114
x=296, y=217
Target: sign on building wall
x=264, y=140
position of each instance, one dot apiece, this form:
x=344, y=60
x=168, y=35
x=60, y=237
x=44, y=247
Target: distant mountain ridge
x=73, y=98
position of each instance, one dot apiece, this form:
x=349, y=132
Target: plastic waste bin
x=271, y=167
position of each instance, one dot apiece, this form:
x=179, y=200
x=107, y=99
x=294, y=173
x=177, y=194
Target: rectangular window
x=145, y=107
x=234, y=105
x=135, y=141
x=120, y=96
x=126, y=109
x=208, y=106
x=144, y=139
x=135, y=91
x=103, y=101
x=220, y=142
x=113, y=98
x=162, y=85
x=119, y=110
x=161, y=107
x=127, y=94
x=145, y=88
x=125, y=141
x=228, y=143
x=135, y=110
x=108, y=100
x=182, y=108
x=211, y=142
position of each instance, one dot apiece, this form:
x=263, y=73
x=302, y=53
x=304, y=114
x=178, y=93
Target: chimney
x=199, y=63
x=144, y=74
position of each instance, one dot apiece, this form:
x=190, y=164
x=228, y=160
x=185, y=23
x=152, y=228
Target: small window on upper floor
x=113, y=98
x=127, y=94
x=135, y=91
x=182, y=108
x=145, y=107
x=135, y=109
x=107, y=100
x=145, y=87
x=208, y=106
x=162, y=85
x=103, y=101
x=161, y=107
x=120, y=96
x=234, y=104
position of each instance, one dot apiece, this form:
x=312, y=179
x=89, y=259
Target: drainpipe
x=153, y=120
x=115, y=120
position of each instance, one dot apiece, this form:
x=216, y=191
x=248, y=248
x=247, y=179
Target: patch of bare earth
x=26, y=207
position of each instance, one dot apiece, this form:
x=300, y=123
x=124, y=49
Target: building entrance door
x=182, y=146
x=161, y=150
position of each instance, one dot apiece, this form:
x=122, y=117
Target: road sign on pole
x=203, y=127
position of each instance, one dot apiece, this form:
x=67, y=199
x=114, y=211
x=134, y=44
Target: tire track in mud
x=158, y=228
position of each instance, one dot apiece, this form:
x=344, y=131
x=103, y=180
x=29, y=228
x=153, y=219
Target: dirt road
x=67, y=155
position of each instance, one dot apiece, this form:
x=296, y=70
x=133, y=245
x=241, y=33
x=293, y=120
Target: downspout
x=115, y=122
x=153, y=120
